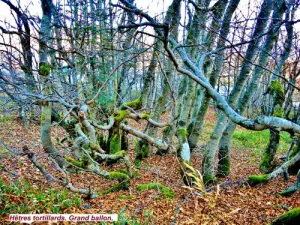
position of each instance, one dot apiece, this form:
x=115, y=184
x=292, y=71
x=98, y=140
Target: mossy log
x=122, y=178
x=291, y=217
x=257, y=179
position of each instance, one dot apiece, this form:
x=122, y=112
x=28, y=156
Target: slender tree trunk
x=44, y=72
x=213, y=143
x=225, y=142
x=212, y=146
x=196, y=128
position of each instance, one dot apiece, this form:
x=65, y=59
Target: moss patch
x=277, y=90
x=159, y=187
x=117, y=176
x=209, y=179
x=115, y=188
x=288, y=192
x=44, y=69
x=278, y=111
x=42, y=117
x=266, y=163
x=74, y=162
x=137, y=163
x=224, y=167
x=142, y=150
x=115, y=144
x=135, y=104
x=290, y=217
x=257, y=179
x=124, y=197
x=146, y=116
x=182, y=132
x=121, y=114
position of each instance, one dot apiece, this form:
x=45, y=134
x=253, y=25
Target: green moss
x=289, y=218
x=42, y=117
x=122, y=152
x=121, y=171
x=44, y=69
x=137, y=163
x=182, y=132
x=117, y=176
x=136, y=174
x=124, y=197
x=157, y=186
x=121, y=177
x=142, y=150
x=117, y=187
x=86, y=147
x=295, y=151
x=92, y=115
x=74, y=162
x=258, y=179
x=224, y=167
x=5, y=119
x=276, y=89
x=121, y=114
x=146, y=116
x=114, y=144
x=167, y=129
x=135, y=104
x=288, y=192
x=209, y=179
x=266, y=163
x=278, y=111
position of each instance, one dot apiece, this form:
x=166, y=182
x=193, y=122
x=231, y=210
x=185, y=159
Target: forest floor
x=234, y=203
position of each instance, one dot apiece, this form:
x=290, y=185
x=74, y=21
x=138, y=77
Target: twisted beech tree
x=102, y=65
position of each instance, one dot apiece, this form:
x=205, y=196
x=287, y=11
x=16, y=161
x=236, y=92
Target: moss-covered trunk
x=266, y=165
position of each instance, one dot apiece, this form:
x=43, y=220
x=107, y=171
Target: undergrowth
x=22, y=197
x=5, y=119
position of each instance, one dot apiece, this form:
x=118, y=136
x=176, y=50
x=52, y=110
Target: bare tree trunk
x=212, y=145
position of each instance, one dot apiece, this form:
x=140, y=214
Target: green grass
x=257, y=141
x=249, y=140
x=5, y=119
x=125, y=197
x=24, y=198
